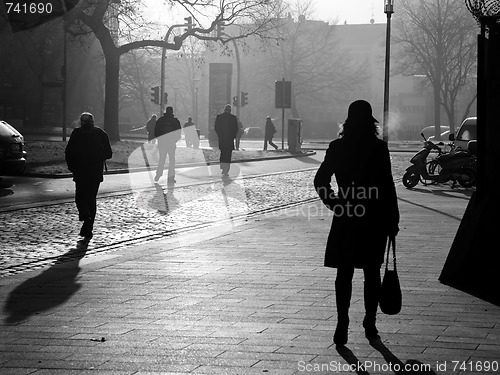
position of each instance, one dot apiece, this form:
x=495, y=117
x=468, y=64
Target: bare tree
x=308, y=54
x=107, y=19
x=437, y=38
x=138, y=73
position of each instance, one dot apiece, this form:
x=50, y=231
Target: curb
x=185, y=165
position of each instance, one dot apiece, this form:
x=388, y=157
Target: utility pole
x=389, y=10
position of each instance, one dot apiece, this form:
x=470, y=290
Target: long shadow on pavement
x=393, y=363
x=430, y=209
x=308, y=160
x=449, y=193
x=49, y=289
x=355, y=364
x=410, y=367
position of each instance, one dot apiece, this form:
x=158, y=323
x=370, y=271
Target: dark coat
x=168, y=130
x=270, y=130
x=150, y=127
x=86, y=151
x=365, y=205
x=226, y=127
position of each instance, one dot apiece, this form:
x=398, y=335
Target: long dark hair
x=366, y=128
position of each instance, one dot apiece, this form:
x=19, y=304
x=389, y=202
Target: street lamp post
x=388, y=10
x=196, y=84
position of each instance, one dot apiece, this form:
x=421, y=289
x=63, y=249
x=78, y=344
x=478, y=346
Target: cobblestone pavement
x=35, y=236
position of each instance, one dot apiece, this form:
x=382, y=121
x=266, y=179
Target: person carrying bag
x=391, y=299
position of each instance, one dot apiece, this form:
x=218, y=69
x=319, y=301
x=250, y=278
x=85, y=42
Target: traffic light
x=155, y=94
x=236, y=101
x=189, y=23
x=244, y=98
x=220, y=29
x=165, y=98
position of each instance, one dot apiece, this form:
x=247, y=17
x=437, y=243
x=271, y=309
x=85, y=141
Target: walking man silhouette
x=168, y=132
x=226, y=127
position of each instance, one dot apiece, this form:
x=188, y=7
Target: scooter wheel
x=410, y=179
x=470, y=180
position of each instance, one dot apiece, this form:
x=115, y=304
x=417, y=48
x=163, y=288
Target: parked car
x=253, y=132
x=12, y=152
x=466, y=132
x=429, y=132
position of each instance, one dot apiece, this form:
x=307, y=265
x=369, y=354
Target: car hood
x=9, y=132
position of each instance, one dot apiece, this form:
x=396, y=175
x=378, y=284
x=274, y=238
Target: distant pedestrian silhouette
x=226, y=127
x=86, y=152
x=191, y=134
x=270, y=130
x=168, y=132
x=150, y=127
x=239, y=134
x=365, y=212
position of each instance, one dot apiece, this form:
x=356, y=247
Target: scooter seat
x=454, y=159
x=454, y=155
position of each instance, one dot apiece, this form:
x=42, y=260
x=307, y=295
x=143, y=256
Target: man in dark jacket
x=226, y=127
x=168, y=132
x=86, y=152
x=270, y=130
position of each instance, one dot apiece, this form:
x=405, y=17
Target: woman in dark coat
x=365, y=212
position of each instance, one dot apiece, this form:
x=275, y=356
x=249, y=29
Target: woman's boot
x=371, y=297
x=343, y=290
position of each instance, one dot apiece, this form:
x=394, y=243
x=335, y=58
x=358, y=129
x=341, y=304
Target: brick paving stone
x=222, y=301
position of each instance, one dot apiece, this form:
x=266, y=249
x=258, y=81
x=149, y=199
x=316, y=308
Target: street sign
x=283, y=94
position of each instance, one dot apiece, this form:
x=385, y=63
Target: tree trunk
x=111, y=95
x=437, y=113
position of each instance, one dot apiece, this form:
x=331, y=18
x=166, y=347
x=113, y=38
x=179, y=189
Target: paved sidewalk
x=246, y=297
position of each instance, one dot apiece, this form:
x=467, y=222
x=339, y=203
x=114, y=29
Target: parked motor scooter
x=455, y=166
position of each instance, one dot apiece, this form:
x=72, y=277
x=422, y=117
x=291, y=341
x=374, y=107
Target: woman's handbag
x=390, y=292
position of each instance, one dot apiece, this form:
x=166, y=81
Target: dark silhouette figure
x=87, y=150
x=269, y=132
x=365, y=212
x=150, y=127
x=226, y=127
x=239, y=134
x=191, y=134
x=168, y=132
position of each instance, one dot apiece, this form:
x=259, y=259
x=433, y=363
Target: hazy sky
x=352, y=11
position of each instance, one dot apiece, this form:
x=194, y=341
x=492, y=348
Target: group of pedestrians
x=358, y=159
